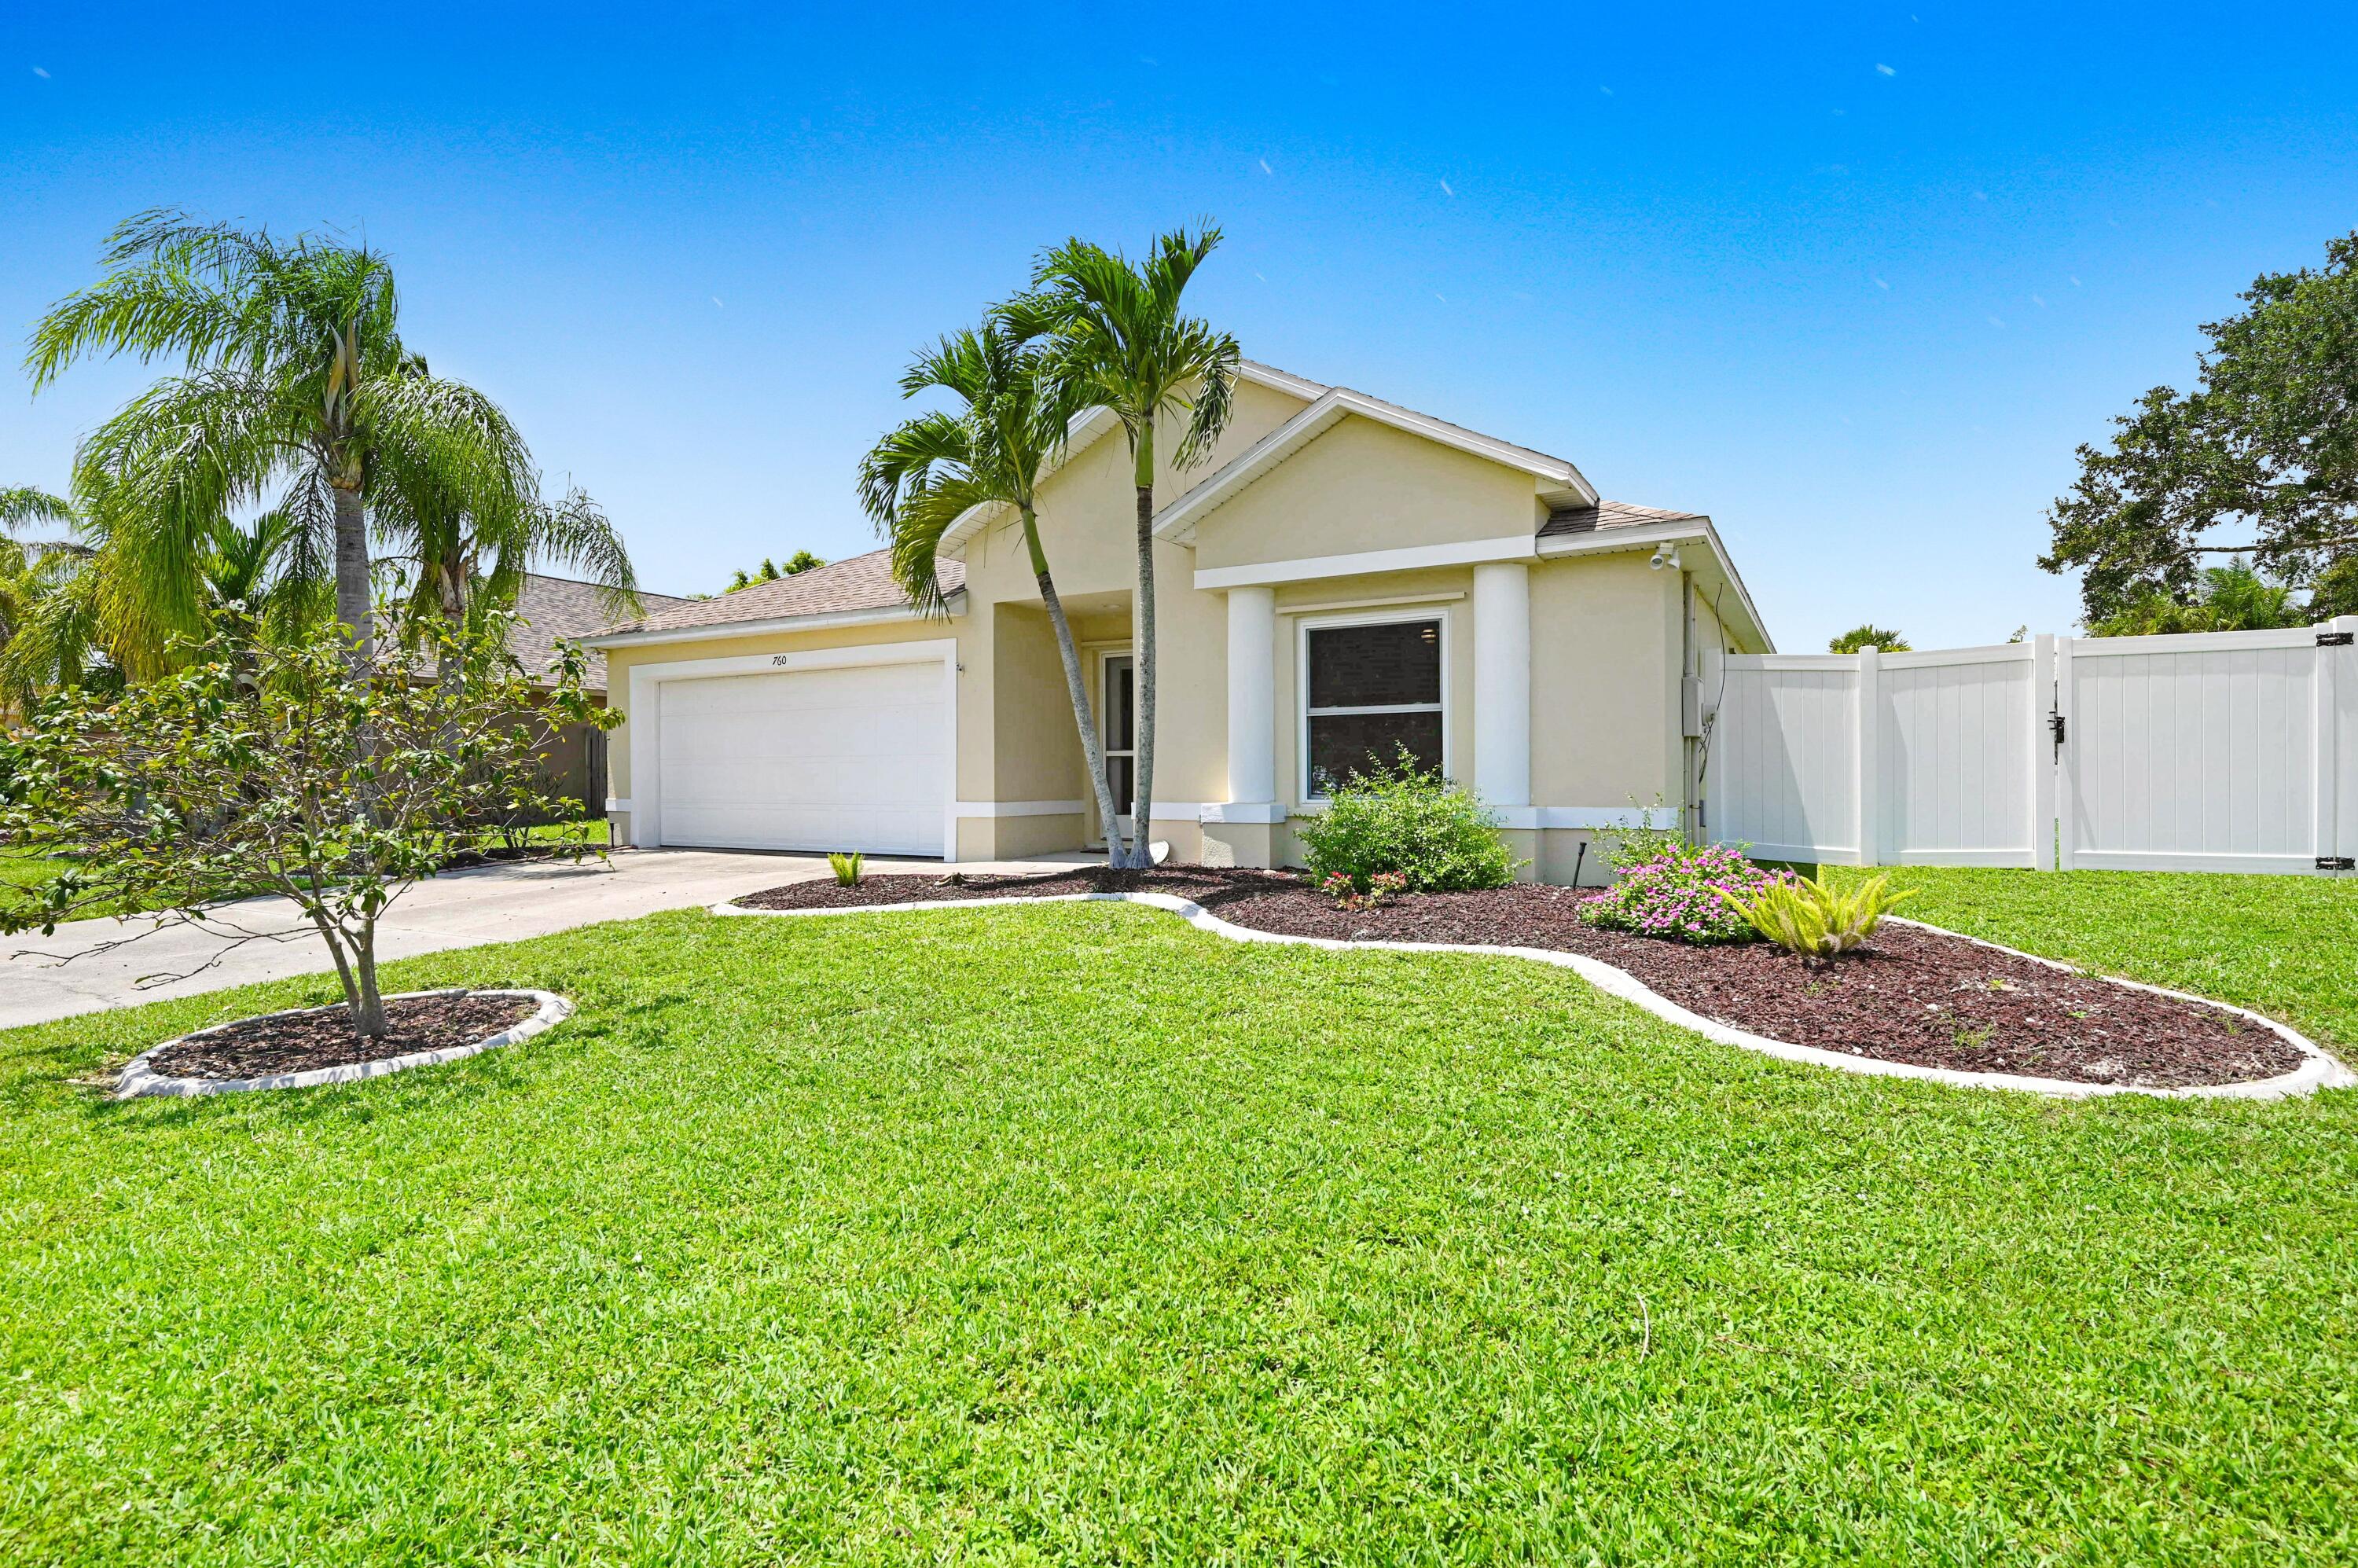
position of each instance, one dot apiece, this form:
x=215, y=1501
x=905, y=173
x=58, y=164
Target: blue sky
x=1855, y=285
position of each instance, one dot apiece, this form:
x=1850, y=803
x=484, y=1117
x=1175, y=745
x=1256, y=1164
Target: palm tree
x=1116, y=339
x=468, y=556
x=23, y=504
x=927, y=472
x=48, y=613
x=296, y=370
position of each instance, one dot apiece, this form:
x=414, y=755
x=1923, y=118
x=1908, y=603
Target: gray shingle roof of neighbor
x=861, y=582
x=1607, y=514
x=549, y=608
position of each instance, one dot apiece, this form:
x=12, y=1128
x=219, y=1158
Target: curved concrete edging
x=2320, y=1071
x=137, y=1080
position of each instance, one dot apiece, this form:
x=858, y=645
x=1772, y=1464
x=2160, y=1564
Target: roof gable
x=1556, y=481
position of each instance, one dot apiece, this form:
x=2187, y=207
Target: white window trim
x=1304, y=713
x=644, y=718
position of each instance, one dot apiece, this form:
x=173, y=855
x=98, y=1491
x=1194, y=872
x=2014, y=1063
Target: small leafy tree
x=286, y=769
x=1867, y=634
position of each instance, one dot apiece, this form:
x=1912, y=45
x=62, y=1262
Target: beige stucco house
x=1341, y=576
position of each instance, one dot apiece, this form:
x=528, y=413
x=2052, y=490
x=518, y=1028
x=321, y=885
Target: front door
x=1117, y=727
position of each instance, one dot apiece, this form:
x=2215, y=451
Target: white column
x=1252, y=696
x=1502, y=682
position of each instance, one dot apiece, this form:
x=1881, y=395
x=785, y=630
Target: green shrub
x=1806, y=916
x=847, y=868
x=1401, y=818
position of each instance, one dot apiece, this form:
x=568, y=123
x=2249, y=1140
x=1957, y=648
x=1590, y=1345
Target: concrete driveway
x=458, y=909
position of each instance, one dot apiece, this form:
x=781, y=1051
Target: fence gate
x=2233, y=752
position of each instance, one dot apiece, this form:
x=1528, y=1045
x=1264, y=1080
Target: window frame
x=1303, y=713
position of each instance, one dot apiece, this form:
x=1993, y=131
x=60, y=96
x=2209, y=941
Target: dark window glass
x=1121, y=704
x=1122, y=774
x=1342, y=744
x=1371, y=667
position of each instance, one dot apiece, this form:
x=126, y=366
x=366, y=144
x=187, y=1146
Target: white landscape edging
x=2320, y=1071
x=137, y=1079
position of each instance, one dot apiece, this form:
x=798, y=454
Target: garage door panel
x=855, y=758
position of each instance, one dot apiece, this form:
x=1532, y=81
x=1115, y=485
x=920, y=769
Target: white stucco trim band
x=2319, y=1070
x=973, y=808
x=1413, y=558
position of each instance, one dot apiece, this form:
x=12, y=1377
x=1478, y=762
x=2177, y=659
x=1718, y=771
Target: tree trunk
x=356, y=969
x=368, y=1006
x=352, y=597
x=1143, y=813
x=1078, y=686
x=452, y=590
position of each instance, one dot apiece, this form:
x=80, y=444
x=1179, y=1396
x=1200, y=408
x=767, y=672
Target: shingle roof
x=1610, y=514
x=861, y=582
x=549, y=608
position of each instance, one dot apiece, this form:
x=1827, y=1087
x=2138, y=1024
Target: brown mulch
x=298, y=1043
x=1911, y=995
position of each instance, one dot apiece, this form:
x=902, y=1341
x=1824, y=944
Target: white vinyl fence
x=2228, y=751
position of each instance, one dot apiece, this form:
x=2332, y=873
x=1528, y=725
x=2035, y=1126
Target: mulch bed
x=1912, y=995
x=298, y=1043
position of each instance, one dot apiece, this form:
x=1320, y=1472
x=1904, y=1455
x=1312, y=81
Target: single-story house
x=1341, y=576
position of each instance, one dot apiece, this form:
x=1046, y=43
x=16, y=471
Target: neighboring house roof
x=862, y=586
x=549, y=608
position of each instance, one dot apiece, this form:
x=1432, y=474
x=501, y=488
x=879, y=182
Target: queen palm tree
x=927, y=472
x=296, y=371
x=467, y=553
x=1115, y=338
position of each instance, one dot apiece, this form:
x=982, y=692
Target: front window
x=1371, y=689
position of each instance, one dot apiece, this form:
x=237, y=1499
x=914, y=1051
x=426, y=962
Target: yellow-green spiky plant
x=1807, y=916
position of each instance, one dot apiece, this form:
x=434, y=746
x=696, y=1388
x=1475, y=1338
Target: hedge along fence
x=2217, y=752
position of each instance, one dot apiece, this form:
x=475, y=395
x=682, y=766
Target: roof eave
x=1646, y=536
x=774, y=624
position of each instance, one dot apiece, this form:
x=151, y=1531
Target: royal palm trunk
x=1143, y=818
x=1076, y=686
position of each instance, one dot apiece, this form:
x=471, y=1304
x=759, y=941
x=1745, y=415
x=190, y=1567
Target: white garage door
x=812, y=760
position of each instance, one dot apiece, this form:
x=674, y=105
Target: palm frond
x=23, y=504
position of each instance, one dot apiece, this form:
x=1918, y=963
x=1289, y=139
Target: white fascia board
x=1181, y=517
x=1608, y=541
x=776, y=623
x=1415, y=557
x=1085, y=429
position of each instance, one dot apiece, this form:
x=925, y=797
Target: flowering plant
x=1683, y=893
x=1339, y=887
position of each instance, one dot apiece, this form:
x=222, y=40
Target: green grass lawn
x=1070, y=1234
